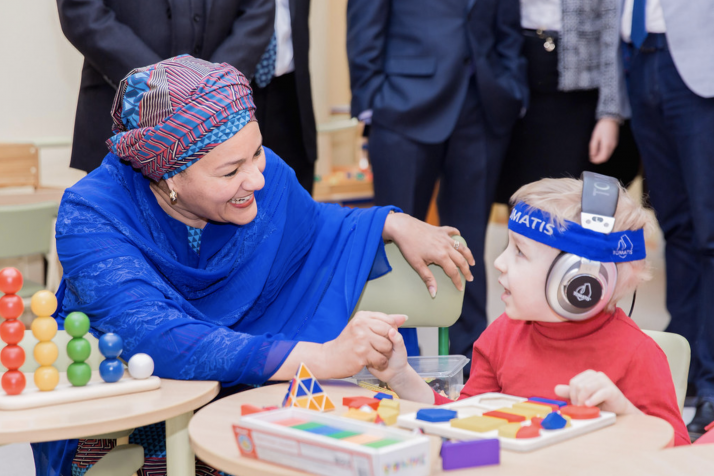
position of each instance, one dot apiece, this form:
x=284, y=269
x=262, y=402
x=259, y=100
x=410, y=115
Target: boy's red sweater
x=529, y=358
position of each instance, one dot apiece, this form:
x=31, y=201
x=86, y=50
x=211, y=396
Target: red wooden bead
x=11, y=306
x=12, y=357
x=13, y=382
x=580, y=412
x=12, y=331
x=10, y=280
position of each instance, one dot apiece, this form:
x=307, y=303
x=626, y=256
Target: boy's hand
x=397, y=361
x=593, y=388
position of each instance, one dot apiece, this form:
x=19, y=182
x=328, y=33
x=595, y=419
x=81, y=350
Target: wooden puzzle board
x=479, y=404
x=31, y=397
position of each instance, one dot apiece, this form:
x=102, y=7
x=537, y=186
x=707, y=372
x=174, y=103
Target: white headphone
x=578, y=288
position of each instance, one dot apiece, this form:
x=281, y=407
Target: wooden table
x=212, y=439
x=174, y=402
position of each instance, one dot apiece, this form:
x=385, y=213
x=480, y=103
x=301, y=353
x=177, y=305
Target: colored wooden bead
x=44, y=328
x=45, y=353
x=480, y=424
x=79, y=374
x=46, y=378
x=111, y=370
x=12, y=331
x=13, y=382
x=111, y=345
x=76, y=324
x=12, y=357
x=141, y=366
x=10, y=280
x=78, y=349
x=11, y=306
x=580, y=412
x=43, y=303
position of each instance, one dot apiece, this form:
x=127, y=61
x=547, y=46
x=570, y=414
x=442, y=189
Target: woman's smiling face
x=220, y=186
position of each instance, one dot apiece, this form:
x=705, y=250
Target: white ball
x=141, y=366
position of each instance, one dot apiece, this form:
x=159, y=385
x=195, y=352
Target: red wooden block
x=247, y=409
x=535, y=421
x=580, y=412
x=511, y=417
x=551, y=405
x=359, y=402
x=528, y=432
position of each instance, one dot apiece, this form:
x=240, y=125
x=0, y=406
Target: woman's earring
x=173, y=196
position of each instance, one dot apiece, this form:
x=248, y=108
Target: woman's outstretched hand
x=423, y=244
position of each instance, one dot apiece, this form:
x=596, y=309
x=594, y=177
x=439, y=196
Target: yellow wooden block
x=567, y=418
x=388, y=415
x=509, y=430
x=543, y=409
x=479, y=424
x=360, y=415
x=387, y=403
x=526, y=412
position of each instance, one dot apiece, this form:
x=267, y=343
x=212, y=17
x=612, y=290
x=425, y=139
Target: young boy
x=531, y=350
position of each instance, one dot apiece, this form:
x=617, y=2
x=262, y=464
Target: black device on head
x=578, y=288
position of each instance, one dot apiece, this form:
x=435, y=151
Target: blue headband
x=616, y=247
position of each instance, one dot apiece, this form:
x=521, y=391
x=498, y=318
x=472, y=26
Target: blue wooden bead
x=111, y=370
x=110, y=345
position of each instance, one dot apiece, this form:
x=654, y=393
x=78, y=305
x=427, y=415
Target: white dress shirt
x=542, y=15
x=654, y=18
x=284, y=62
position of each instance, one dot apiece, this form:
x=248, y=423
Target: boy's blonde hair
x=561, y=198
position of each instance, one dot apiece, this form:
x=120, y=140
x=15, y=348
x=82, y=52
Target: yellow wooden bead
x=46, y=353
x=43, y=303
x=46, y=378
x=44, y=328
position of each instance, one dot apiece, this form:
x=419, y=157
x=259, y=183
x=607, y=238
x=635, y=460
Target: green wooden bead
x=76, y=324
x=79, y=373
x=78, y=349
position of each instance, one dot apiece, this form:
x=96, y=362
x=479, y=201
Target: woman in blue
x=222, y=268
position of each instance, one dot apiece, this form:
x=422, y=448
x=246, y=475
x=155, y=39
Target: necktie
x=639, y=30
x=266, y=66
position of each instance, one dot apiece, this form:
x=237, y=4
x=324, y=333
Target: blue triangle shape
x=316, y=389
x=300, y=391
x=308, y=384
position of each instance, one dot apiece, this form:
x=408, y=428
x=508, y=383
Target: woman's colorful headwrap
x=170, y=114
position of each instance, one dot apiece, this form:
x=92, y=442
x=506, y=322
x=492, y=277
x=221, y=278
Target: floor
x=649, y=313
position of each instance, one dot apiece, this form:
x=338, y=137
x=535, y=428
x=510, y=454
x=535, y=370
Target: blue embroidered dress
x=232, y=312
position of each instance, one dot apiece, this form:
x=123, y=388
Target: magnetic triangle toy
x=305, y=392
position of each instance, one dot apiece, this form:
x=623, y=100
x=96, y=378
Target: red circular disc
x=11, y=306
x=13, y=382
x=10, y=280
x=12, y=331
x=12, y=357
x=580, y=412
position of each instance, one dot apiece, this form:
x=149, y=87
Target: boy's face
x=524, y=268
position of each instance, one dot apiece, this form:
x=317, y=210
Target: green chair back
x=26, y=229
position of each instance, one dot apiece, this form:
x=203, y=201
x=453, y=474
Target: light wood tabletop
x=211, y=435
x=37, y=196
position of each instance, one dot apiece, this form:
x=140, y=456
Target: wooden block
x=510, y=417
x=468, y=454
x=480, y=424
x=388, y=415
x=358, y=402
x=543, y=409
x=580, y=412
x=553, y=406
x=509, y=430
x=528, y=432
x=528, y=413
x=393, y=404
x=247, y=409
x=360, y=415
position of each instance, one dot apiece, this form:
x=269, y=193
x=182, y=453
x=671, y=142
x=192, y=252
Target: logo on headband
x=532, y=222
x=624, y=247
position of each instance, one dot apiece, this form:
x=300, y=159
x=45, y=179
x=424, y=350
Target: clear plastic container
x=443, y=373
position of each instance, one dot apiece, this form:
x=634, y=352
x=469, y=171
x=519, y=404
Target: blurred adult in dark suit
x=443, y=82
x=116, y=36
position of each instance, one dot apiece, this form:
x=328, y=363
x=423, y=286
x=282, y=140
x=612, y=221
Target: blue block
x=382, y=396
x=324, y=430
x=436, y=415
x=546, y=400
x=467, y=454
x=553, y=422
